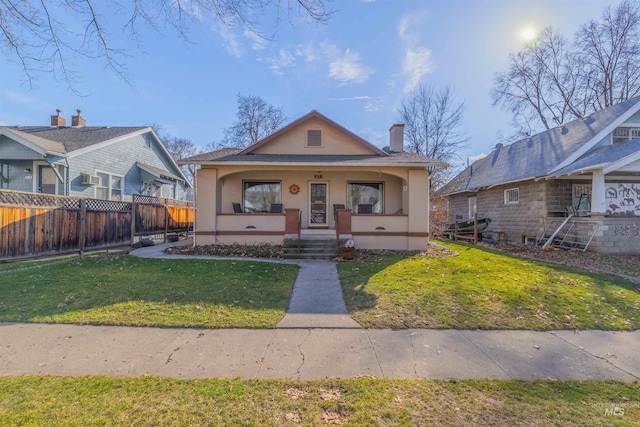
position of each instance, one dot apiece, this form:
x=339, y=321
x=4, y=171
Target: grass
x=125, y=290
x=7, y=266
x=485, y=289
x=147, y=401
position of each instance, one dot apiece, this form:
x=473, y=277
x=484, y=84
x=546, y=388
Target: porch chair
x=237, y=208
x=275, y=208
x=336, y=207
x=365, y=208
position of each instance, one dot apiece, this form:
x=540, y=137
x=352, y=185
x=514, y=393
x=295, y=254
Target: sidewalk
x=316, y=339
x=317, y=353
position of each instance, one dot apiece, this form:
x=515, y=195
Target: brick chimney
x=78, y=121
x=58, y=120
x=396, y=138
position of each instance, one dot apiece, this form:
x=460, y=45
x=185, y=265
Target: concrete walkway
x=316, y=301
x=316, y=339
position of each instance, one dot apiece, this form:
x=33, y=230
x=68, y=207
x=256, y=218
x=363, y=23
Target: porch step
x=310, y=247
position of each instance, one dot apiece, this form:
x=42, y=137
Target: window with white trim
x=625, y=134
x=110, y=186
x=512, y=196
x=473, y=206
x=4, y=175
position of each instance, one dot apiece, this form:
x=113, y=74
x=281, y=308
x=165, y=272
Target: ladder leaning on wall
x=567, y=233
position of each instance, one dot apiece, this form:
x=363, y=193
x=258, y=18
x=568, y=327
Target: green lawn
x=125, y=290
x=152, y=401
x=484, y=289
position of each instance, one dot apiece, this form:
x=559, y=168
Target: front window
x=110, y=187
x=365, y=197
x=258, y=196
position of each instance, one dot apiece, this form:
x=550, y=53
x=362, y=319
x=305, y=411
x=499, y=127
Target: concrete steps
x=311, y=247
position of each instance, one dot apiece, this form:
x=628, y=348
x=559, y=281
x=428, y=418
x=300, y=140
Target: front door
x=46, y=180
x=318, y=204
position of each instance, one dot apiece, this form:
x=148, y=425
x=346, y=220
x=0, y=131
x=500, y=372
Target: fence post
x=166, y=219
x=133, y=219
x=83, y=226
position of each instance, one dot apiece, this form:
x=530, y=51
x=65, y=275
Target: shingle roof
x=211, y=155
x=221, y=156
x=75, y=138
x=602, y=155
x=538, y=155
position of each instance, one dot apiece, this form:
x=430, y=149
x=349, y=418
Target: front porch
x=379, y=210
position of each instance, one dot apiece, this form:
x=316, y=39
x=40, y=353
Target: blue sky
x=356, y=69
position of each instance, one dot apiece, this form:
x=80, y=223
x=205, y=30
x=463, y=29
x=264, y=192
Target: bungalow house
x=313, y=176
x=103, y=162
x=588, y=169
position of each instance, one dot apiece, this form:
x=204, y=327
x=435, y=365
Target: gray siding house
x=588, y=168
x=103, y=162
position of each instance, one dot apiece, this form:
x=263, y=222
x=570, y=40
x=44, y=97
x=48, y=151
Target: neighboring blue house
x=103, y=162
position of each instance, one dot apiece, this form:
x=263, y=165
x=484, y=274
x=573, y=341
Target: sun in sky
x=528, y=33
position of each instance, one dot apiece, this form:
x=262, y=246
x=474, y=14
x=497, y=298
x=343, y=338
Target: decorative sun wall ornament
x=294, y=189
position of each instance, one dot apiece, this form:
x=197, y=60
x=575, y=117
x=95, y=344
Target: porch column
x=206, y=202
x=418, y=193
x=598, y=201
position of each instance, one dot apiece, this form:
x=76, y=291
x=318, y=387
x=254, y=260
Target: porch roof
x=157, y=172
x=393, y=159
x=601, y=157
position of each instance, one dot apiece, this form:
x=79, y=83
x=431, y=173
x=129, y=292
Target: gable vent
x=314, y=138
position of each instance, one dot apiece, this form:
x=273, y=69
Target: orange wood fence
x=40, y=224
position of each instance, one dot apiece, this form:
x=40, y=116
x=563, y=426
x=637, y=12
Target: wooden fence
x=39, y=224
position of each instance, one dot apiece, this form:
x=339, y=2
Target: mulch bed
x=235, y=250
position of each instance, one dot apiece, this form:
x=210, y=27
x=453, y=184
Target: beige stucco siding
x=295, y=142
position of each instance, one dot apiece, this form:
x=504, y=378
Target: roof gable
x=292, y=139
x=40, y=145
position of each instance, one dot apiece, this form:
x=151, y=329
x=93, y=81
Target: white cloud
x=417, y=63
x=353, y=98
x=418, y=60
x=374, y=105
x=257, y=42
x=232, y=43
x=283, y=60
x=347, y=69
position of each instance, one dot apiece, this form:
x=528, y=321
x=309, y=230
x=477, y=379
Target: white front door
x=318, y=197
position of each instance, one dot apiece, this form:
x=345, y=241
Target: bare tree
x=46, y=36
x=552, y=80
x=255, y=120
x=608, y=51
x=432, y=121
x=541, y=85
x=179, y=148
